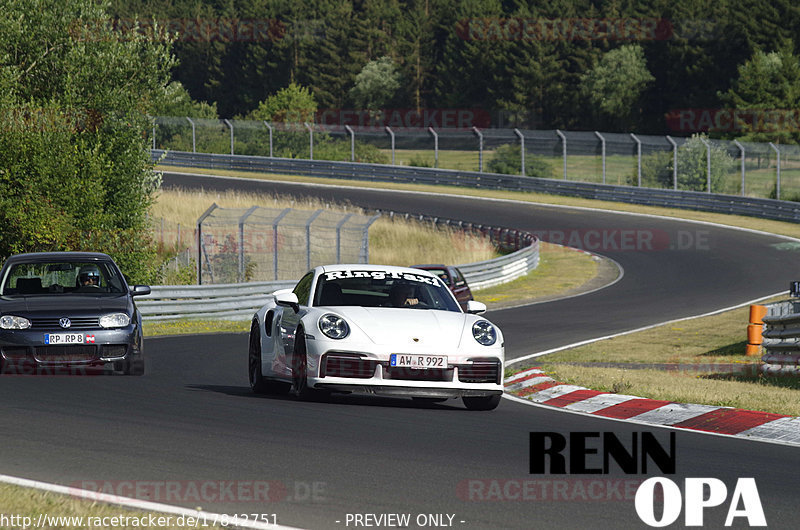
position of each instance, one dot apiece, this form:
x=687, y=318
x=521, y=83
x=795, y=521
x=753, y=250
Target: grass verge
x=29, y=506
x=705, y=356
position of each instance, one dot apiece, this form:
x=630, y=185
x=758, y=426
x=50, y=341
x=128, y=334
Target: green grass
x=186, y=327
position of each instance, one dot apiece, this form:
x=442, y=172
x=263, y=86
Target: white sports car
x=376, y=329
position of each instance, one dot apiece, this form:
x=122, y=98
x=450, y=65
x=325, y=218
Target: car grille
x=479, y=372
x=347, y=366
x=15, y=352
x=408, y=374
x=76, y=323
x=66, y=353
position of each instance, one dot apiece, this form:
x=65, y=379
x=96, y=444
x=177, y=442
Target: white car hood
x=400, y=327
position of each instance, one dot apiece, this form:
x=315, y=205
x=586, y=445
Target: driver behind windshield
x=89, y=277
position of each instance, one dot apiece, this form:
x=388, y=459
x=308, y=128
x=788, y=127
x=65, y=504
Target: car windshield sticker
x=379, y=275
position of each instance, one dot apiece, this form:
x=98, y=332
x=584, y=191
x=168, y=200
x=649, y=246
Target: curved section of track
x=193, y=418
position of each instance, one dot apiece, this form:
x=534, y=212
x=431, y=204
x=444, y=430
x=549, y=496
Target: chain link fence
x=698, y=163
x=257, y=244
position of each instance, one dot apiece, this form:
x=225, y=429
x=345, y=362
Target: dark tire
x=300, y=371
x=257, y=382
x=134, y=365
x=483, y=402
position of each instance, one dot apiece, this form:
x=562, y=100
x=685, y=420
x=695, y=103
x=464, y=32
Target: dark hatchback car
x=68, y=312
x=453, y=278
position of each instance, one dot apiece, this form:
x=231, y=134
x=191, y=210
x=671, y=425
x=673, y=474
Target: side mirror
x=476, y=308
x=140, y=290
x=287, y=298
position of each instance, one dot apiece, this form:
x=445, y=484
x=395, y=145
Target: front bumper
x=23, y=349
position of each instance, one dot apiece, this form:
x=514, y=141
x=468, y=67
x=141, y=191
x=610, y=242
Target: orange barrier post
x=754, y=329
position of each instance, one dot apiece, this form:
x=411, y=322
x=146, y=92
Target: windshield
x=383, y=289
x=62, y=277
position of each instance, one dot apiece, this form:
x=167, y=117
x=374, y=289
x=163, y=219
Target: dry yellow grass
x=392, y=242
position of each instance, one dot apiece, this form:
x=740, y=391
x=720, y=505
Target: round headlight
x=115, y=320
x=12, y=322
x=333, y=326
x=484, y=333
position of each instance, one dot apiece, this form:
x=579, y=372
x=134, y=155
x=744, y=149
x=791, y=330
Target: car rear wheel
x=482, y=402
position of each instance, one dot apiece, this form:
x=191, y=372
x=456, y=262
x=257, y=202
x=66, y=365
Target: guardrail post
x=275, y=224
x=391, y=135
x=674, y=162
x=310, y=141
x=778, y=169
x=638, y=159
x=603, y=153
x=708, y=163
x=521, y=150
x=229, y=124
x=480, y=148
x=242, y=220
x=339, y=226
x=200, y=242
x=352, y=142
x=364, y=251
x=563, y=150
x=308, y=236
x=194, y=144
x=435, y=147
x=269, y=128
x=743, y=153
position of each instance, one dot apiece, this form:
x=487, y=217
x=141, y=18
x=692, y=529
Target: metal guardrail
x=239, y=301
x=688, y=200
x=781, y=354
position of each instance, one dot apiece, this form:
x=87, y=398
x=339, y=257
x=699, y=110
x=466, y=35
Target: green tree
x=376, y=84
x=508, y=160
x=770, y=82
x=293, y=104
x=615, y=84
x=75, y=173
x=657, y=167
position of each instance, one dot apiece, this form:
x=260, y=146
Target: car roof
x=372, y=267
x=58, y=256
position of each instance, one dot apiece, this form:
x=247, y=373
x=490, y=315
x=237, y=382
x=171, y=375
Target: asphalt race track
x=192, y=419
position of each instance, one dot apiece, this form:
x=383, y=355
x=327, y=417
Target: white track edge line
x=644, y=328
x=135, y=503
x=646, y=424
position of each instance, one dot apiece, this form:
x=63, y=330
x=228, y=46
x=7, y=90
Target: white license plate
x=420, y=362
x=63, y=338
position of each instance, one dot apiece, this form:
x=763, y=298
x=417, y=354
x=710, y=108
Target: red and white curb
x=535, y=386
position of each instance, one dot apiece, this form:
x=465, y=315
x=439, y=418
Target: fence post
x=521, y=150
x=352, y=142
x=435, y=147
x=275, y=224
x=269, y=127
x=743, y=153
x=638, y=159
x=229, y=124
x=603, y=153
x=194, y=145
x=154, y=132
x=564, y=150
x=480, y=148
x=200, y=242
x=708, y=163
x=308, y=236
x=339, y=237
x=391, y=135
x=778, y=173
x=242, y=220
x=364, y=253
x=310, y=141
x=674, y=162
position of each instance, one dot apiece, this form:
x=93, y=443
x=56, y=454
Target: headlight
x=484, y=333
x=12, y=322
x=333, y=326
x=115, y=320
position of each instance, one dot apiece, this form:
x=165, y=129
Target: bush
x=507, y=159
x=419, y=160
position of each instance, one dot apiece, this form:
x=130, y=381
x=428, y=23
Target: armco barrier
x=240, y=300
x=689, y=200
x=781, y=345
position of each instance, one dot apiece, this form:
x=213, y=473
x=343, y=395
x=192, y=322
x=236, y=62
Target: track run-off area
x=192, y=420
